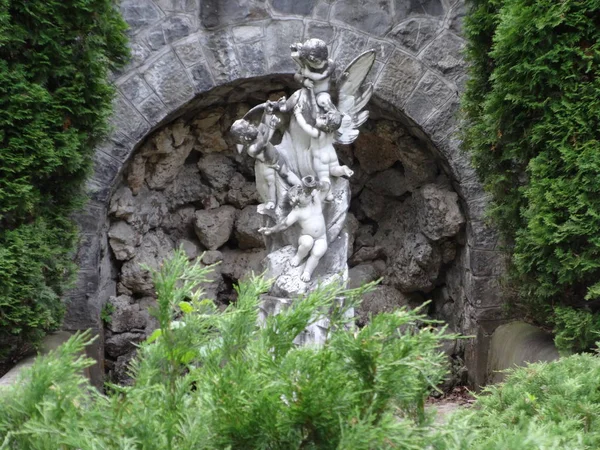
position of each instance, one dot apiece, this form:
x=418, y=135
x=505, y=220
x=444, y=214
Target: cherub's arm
x=290, y=220
x=309, y=129
x=265, y=132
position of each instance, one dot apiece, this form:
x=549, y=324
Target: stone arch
x=186, y=54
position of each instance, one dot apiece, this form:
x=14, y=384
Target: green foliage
x=576, y=330
x=216, y=380
x=533, y=132
x=55, y=98
x=106, y=313
x=543, y=406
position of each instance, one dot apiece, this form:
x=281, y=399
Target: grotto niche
x=186, y=185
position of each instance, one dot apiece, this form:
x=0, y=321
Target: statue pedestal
x=314, y=334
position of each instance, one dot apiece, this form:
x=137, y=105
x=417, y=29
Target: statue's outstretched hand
x=308, y=83
x=265, y=230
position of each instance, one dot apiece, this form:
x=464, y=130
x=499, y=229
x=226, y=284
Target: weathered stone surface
x=418, y=7
x=444, y=122
x=210, y=140
x=187, y=188
x=213, y=227
x=362, y=274
x=398, y=79
x=135, y=89
x=169, y=80
x=279, y=36
x=176, y=5
x=372, y=17
x=242, y=195
x=375, y=153
x=144, y=212
x=126, y=315
x=248, y=33
x=415, y=265
x=136, y=173
x=303, y=8
x=390, y=182
x=415, y=34
x=139, y=13
x=215, y=13
x=431, y=93
x=372, y=204
x=123, y=239
x=246, y=228
x=348, y=46
x=155, y=38
x=221, y=56
x=446, y=55
x=121, y=344
x=320, y=30
x=165, y=169
x=127, y=120
x=438, y=212
x=365, y=254
x=237, y=263
x=217, y=169
x=481, y=235
x=191, y=249
x=382, y=299
x=180, y=223
x=189, y=51
x=252, y=59
x=202, y=77
x=486, y=263
x=153, y=250
x=177, y=27
x=153, y=109
x=212, y=257
x=419, y=165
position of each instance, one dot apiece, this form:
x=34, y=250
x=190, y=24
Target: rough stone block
x=414, y=34
x=88, y=251
x=135, y=89
x=248, y=33
x=279, y=36
x=215, y=13
x=443, y=122
x=189, y=51
x=155, y=37
x=405, y=8
x=252, y=59
x=348, y=45
x=127, y=120
x=221, y=56
x=383, y=49
x=117, y=146
x=371, y=17
x=446, y=55
x=320, y=30
x=153, y=109
x=176, y=5
x=483, y=292
x=106, y=168
x=177, y=27
x=481, y=235
x=202, y=78
x=139, y=13
x=301, y=8
x=486, y=263
x=169, y=80
x=431, y=93
x=400, y=75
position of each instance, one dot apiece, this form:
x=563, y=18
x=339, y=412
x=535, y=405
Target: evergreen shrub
x=55, y=98
x=540, y=407
x=533, y=130
x=216, y=380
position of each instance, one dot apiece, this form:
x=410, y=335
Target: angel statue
x=323, y=112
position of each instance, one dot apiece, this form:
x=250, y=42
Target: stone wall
x=189, y=55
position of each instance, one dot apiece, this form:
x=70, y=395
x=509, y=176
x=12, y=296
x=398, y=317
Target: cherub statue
x=256, y=141
x=316, y=69
x=307, y=211
x=324, y=158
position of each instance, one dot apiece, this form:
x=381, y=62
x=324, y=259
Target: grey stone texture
x=185, y=54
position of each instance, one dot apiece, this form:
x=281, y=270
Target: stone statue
x=305, y=197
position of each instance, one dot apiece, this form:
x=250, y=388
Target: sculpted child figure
x=324, y=158
x=316, y=69
x=307, y=211
x=256, y=141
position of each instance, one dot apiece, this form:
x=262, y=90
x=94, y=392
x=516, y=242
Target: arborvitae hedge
x=55, y=98
x=533, y=128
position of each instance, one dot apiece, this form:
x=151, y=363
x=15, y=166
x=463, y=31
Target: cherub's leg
x=269, y=174
x=322, y=170
x=305, y=243
x=289, y=176
x=318, y=250
x=339, y=171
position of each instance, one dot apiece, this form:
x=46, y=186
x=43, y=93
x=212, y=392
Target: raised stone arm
x=290, y=220
x=308, y=129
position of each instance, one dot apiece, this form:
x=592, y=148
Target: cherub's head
x=243, y=132
x=314, y=52
x=301, y=195
x=329, y=122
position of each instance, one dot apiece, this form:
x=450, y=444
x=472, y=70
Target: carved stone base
x=314, y=334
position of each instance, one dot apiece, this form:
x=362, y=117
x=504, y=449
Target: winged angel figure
x=300, y=180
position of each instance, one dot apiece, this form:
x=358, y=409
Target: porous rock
x=246, y=228
x=438, y=212
x=123, y=239
x=213, y=227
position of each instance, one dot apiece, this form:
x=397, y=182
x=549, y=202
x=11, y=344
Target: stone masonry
x=187, y=53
